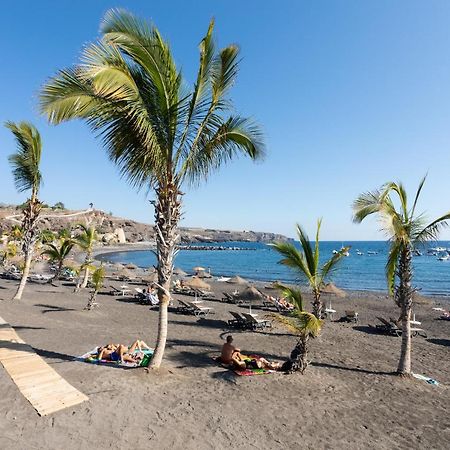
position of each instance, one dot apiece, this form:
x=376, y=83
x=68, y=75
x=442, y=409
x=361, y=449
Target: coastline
x=101, y=253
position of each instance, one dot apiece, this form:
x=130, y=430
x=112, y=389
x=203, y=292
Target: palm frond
x=292, y=294
x=331, y=265
x=416, y=199
x=307, y=250
x=293, y=258
x=392, y=263
x=235, y=135
x=26, y=161
x=365, y=205
x=308, y=324
x=432, y=230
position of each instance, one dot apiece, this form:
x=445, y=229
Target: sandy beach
x=346, y=399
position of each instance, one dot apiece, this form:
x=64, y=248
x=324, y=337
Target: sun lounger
x=201, y=310
x=239, y=321
x=194, y=309
x=228, y=298
x=350, y=316
x=392, y=328
x=257, y=324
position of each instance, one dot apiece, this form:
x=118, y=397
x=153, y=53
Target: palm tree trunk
x=317, y=305
x=167, y=216
x=298, y=360
x=91, y=301
x=85, y=279
x=30, y=233
x=84, y=283
x=25, y=273
x=404, y=301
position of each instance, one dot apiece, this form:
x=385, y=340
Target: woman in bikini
x=122, y=353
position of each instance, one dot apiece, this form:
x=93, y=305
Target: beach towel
x=91, y=357
x=246, y=372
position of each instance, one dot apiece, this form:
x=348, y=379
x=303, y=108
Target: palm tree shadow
x=351, y=369
x=53, y=308
x=444, y=342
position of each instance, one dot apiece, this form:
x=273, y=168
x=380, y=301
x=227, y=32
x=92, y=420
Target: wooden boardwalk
x=47, y=391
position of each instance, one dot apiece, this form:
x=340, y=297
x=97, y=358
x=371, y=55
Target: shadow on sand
x=444, y=342
x=53, y=308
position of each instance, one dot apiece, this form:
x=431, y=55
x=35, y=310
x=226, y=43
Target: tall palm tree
x=405, y=229
x=27, y=177
x=58, y=254
x=86, y=240
x=159, y=132
x=306, y=263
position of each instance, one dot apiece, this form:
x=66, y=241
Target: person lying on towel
x=122, y=353
x=233, y=356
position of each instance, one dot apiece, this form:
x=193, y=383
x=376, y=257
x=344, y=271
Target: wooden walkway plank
x=39, y=383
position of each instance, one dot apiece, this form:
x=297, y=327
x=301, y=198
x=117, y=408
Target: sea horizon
x=259, y=262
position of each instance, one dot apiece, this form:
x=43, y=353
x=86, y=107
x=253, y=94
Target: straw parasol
x=237, y=280
x=197, y=283
x=250, y=294
x=331, y=288
x=198, y=269
x=151, y=278
x=131, y=266
x=126, y=273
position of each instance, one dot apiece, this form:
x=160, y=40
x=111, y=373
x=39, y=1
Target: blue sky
x=350, y=94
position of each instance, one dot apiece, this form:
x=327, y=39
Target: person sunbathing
x=122, y=353
x=233, y=356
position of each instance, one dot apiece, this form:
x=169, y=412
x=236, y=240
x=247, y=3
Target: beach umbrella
x=197, y=283
x=250, y=294
x=237, y=280
x=131, y=266
x=118, y=267
x=331, y=288
x=125, y=273
x=151, y=278
x=204, y=275
x=198, y=269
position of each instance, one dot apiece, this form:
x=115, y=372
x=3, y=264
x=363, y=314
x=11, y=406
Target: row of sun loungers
x=390, y=327
x=194, y=309
x=246, y=321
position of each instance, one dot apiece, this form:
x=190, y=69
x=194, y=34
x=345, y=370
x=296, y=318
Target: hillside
x=114, y=230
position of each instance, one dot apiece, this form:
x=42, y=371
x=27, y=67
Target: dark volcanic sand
x=346, y=399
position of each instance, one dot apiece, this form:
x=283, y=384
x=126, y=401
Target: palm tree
x=58, y=255
x=405, y=229
x=27, y=177
x=97, y=280
x=9, y=251
x=161, y=134
x=306, y=264
x=86, y=241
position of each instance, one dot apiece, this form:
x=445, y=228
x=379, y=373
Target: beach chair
x=184, y=307
x=257, y=324
x=229, y=298
x=114, y=291
x=387, y=327
x=238, y=321
x=201, y=310
x=351, y=316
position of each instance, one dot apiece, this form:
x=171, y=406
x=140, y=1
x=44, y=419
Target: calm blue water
x=364, y=272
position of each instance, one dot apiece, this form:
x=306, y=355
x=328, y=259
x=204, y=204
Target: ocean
x=258, y=261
